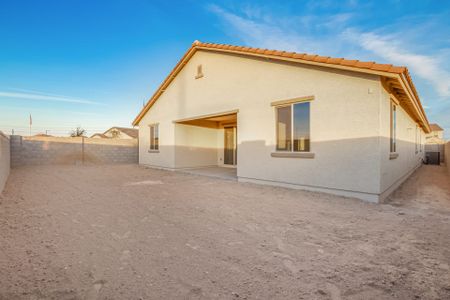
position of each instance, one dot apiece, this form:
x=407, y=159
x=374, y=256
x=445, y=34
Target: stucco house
x=436, y=136
x=117, y=133
x=303, y=121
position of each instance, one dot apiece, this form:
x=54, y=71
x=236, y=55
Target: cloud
x=256, y=33
x=348, y=32
x=331, y=35
x=427, y=67
x=40, y=96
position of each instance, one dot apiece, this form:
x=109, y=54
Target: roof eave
x=399, y=73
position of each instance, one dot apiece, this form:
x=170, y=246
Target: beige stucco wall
x=436, y=134
x=196, y=146
x=4, y=160
x=395, y=171
x=345, y=121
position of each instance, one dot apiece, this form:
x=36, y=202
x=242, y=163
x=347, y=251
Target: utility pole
x=31, y=123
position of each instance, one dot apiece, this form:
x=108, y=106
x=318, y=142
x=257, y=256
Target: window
x=393, y=127
x=154, y=137
x=417, y=139
x=293, y=130
x=420, y=139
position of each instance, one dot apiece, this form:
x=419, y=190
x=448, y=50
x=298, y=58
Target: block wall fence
x=68, y=150
x=4, y=160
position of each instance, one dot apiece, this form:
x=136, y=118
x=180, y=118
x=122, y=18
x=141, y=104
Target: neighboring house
x=118, y=133
x=281, y=118
x=436, y=136
x=435, y=142
x=98, y=136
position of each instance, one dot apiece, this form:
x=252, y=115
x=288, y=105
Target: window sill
x=153, y=151
x=393, y=155
x=293, y=154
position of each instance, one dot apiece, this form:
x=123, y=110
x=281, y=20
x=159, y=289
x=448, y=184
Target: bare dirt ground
x=125, y=232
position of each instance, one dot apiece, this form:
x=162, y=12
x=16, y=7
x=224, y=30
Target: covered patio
x=207, y=141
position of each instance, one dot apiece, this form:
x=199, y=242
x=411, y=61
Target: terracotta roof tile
x=398, y=70
x=298, y=55
x=334, y=61
x=364, y=64
x=436, y=127
x=348, y=62
x=381, y=67
x=309, y=57
x=322, y=60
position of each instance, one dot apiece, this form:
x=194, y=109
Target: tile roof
x=132, y=132
x=325, y=61
x=101, y=135
x=370, y=65
x=436, y=127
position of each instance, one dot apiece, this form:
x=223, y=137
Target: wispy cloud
x=295, y=33
x=427, y=67
x=41, y=96
x=336, y=38
x=345, y=34
x=261, y=34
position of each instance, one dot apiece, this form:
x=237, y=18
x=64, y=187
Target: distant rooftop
x=436, y=127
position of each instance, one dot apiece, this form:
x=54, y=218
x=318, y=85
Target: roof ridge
x=324, y=61
x=370, y=65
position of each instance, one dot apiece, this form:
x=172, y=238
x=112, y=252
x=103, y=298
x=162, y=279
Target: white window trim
x=291, y=103
x=393, y=129
x=151, y=126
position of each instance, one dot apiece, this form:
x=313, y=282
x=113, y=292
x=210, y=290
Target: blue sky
x=93, y=63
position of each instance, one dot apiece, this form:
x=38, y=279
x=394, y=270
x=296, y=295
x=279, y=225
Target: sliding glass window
x=293, y=127
x=154, y=137
x=393, y=127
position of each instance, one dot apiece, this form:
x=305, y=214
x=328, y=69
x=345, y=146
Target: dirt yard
x=126, y=232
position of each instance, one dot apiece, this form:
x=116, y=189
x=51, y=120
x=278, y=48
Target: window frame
x=154, y=137
x=420, y=139
x=417, y=139
x=291, y=103
x=393, y=127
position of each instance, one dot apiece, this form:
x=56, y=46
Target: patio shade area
x=218, y=120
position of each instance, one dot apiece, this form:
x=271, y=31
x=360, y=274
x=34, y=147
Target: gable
x=397, y=80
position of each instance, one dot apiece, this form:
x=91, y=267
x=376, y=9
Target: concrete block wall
x=4, y=160
x=436, y=148
x=67, y=150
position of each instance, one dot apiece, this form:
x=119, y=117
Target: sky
x=93, y=63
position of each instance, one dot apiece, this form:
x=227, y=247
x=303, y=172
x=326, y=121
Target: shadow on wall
x=347, y=164
x=62, y=150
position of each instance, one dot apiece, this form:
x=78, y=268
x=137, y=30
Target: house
x=98, y=136
x=303, y=121
x=435, y=144
x=436, y=136
x=118, y=133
